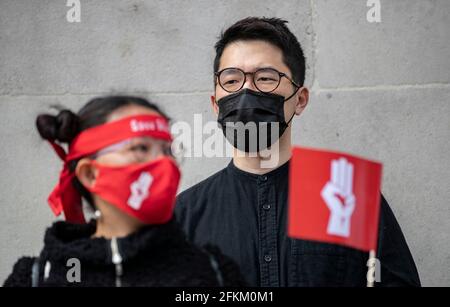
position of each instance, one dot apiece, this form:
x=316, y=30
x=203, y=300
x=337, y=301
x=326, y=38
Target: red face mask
x=145, y=191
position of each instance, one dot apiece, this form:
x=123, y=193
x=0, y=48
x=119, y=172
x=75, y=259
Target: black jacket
x=245, y=215
x=157, y=255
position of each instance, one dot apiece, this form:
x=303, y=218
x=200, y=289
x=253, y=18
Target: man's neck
x=261, y=163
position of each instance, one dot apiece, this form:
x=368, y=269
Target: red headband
x=64, y=197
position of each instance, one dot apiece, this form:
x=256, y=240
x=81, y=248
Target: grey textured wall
x=379, y=90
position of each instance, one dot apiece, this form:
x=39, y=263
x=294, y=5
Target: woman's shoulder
x=21, y=273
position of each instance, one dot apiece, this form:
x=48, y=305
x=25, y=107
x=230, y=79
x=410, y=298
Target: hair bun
x=63, y=127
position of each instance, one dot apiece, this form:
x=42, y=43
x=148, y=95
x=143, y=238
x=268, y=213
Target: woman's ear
x=302, y=98
x=86, y=172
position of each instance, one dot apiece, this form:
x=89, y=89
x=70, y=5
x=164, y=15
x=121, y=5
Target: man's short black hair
x=271, y=30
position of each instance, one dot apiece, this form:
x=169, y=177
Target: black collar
x=280, y=171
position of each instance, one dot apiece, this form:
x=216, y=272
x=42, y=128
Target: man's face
x=250, y=56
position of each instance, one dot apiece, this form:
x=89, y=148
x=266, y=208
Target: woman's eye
x=141, y=148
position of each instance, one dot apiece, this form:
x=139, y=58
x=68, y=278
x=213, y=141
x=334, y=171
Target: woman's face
x=132, y=151
x=135, y=150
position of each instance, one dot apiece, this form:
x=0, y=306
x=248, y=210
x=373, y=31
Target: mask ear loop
x=293, y=93
x=287, y=124
x=289, y=121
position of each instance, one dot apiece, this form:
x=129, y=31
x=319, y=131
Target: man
x=259, y=75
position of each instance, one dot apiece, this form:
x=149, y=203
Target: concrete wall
x=380, y=90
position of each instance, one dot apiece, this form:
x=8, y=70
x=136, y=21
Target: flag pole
x=370, y=267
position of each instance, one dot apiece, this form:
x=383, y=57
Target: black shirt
x=246, y=216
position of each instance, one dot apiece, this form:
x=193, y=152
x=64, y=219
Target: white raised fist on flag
x=339, y=197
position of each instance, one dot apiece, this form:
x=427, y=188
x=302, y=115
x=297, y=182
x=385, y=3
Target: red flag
x=334, y=198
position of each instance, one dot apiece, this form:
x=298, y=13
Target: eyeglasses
x=143, y=149
x=265, y=80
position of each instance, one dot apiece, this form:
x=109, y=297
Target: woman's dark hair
x=66, y=125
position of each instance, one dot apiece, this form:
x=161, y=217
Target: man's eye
x=230, y=82
x=266, y=79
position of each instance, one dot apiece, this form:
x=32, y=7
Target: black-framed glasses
x=265, y=80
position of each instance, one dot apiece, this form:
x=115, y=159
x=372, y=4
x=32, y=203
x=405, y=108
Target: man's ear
x=214, y=105
x=301, y=100
x=86, y=172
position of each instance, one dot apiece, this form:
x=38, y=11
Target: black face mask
x=252, y=121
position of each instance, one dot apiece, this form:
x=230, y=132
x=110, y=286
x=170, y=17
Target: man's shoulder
x=203, y=188
x=192, y=203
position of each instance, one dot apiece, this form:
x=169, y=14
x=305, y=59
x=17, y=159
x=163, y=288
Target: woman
x=119, y=161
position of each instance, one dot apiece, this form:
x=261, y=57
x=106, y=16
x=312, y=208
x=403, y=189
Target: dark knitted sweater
x=156, y=255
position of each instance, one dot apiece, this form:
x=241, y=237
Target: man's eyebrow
x=256, y=68
x=265, y=67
